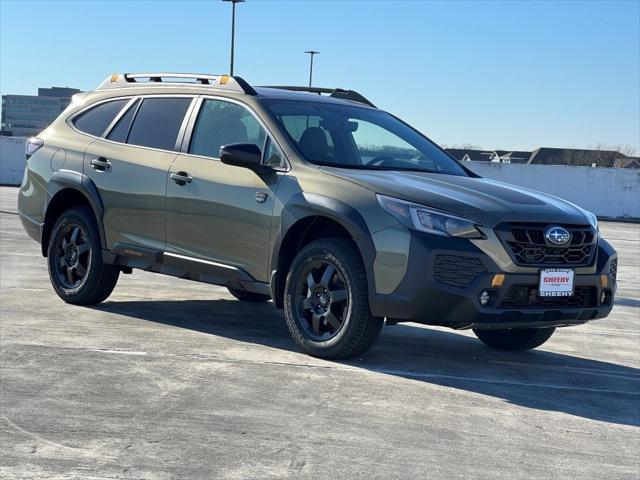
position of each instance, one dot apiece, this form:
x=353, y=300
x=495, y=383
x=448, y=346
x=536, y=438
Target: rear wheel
x=245, y=296
x=74, y=258
x=515, y=339
x=326, y=301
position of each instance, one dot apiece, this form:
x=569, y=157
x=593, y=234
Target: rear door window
x=222, y=123
x=96, y=120
x=158, y=122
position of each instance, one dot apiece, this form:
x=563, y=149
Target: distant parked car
x=337, y=211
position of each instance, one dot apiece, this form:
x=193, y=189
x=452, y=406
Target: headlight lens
x=425, y=219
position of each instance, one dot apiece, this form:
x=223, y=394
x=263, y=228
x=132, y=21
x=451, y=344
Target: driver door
x=223, y=213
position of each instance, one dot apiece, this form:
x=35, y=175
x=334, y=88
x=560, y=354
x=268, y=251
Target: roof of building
x=474, y=155
x=517, y=156
x=627, y=162
x=574, y=156
x=57, y=92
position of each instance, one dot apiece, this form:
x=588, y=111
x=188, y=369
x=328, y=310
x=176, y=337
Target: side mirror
x=247, y=155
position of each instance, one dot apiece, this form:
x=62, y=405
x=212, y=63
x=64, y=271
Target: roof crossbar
x=227, y=82
x=333, y=92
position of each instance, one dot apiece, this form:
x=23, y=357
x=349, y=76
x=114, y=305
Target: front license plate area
x=556, y=282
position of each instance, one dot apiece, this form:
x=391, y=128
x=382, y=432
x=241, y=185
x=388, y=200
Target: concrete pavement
x=175, y=379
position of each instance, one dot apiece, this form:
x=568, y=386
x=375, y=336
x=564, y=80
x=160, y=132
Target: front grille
x=526, y=296
x=457, y=271
x=527, y=246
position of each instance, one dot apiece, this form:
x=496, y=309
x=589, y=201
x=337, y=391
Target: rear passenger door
x=129, y=167
x=224, y=213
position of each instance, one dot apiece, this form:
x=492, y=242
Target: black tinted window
x=120, y=131
x=96, y=120
x=158, y=121
x=222, y=123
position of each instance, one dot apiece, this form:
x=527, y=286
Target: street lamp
x=311, y=54
x=233, y=28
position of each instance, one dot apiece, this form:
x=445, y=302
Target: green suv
x=340, y=213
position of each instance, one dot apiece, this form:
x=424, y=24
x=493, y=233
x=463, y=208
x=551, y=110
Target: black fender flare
x=304, y=205
x=68, y=179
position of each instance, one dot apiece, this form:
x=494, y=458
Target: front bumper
x=427, y=296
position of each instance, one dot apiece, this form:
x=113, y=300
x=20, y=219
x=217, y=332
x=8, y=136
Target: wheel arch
x=307, y=217
x=67, y=189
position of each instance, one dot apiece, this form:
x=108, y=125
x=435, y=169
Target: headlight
x=425, y=219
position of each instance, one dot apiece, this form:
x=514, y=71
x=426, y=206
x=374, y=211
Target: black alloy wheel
x=321, y=300
x=73, y=256
x=326, y=300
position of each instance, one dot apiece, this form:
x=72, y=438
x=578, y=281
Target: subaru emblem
x=557, y=235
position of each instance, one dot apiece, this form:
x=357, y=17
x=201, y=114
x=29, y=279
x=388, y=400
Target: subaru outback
x=336, y=211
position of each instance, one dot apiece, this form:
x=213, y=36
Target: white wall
x=607, y=192
x=11, y=160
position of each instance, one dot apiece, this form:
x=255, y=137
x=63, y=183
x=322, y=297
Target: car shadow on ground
x=538, y=379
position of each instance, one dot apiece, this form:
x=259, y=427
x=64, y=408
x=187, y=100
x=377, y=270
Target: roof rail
x=333, y=92
x=227, y=82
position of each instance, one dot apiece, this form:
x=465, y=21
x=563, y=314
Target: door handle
x=101, y=164
x=181, y=178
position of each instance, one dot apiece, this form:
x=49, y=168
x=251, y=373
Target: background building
x=27, y=115
x=549, y=156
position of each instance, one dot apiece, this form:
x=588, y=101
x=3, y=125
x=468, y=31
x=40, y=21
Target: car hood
x=487, y=201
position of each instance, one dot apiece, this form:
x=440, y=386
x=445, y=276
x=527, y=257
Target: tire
x=346, y=328
x=91, y=281
x=245, y=296
x=515, y=339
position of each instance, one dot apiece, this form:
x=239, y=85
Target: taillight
x=32, y=146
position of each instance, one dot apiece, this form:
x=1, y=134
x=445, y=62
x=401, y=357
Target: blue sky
x=512, y=75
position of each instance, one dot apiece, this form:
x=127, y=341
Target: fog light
x=605, y=297
x=485, y=297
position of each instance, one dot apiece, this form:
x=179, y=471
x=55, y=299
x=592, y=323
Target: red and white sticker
x=556, y=282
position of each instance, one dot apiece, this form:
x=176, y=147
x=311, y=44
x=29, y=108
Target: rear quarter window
x=120, y=131
x=96, y=120
x=158, y=122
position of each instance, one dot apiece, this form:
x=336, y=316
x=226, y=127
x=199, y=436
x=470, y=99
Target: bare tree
x=466, y=146
x=627, y=150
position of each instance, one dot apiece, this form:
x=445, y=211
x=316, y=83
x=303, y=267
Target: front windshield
x=356, y=137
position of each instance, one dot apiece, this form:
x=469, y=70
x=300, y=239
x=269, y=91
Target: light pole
x=233, y=28
x=311, y=54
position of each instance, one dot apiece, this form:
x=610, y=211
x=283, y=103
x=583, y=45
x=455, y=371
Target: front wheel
x=326, y=301
x=74, y=257
x=514, y=339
